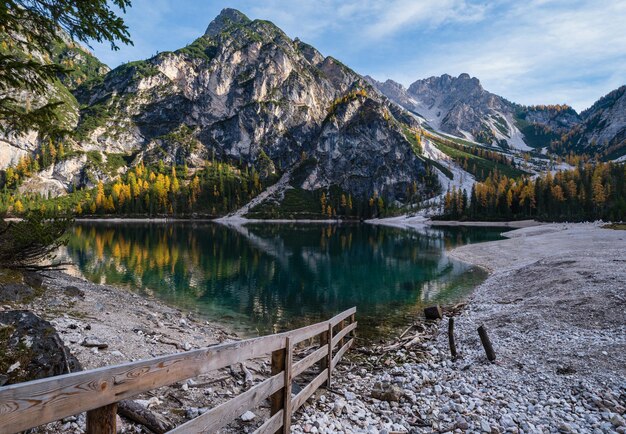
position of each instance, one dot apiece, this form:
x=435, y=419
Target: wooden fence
x=26, y=405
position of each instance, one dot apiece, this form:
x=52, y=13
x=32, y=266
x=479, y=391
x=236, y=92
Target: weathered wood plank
x=271, y=425
x=308, y=390
x=341, y=316
x=302, y=365
x=339, y=336
x=102, y=420
x=341, y=352
x=23, y=406
x=225, y=413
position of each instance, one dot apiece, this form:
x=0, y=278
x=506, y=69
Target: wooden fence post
x=102, y=420
x=330, y=354
x=451, y=338
x=352, y=321
x=287, y=388
x=484, y=338
x=278, y=398
x=324, y=343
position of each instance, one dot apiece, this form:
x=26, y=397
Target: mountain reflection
x=269, y=277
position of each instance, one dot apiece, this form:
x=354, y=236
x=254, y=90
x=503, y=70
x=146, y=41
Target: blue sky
x=531, y=52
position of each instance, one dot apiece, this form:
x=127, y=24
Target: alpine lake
x=262, y=278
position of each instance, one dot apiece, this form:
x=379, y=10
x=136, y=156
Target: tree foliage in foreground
x=588, y=192
x=31, y=242
x=28, y=28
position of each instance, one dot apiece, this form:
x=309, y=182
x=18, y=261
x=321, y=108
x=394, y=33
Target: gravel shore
x=555, y=310
x=554, y=306
x=104, y=325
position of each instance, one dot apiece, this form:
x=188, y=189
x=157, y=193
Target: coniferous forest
x=588, y=192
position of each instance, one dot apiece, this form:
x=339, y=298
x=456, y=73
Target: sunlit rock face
x=462, y=107
x=245, y=92
x=603, y=129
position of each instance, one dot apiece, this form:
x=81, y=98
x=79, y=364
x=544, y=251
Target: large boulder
x=30, y=349
x=19, y=287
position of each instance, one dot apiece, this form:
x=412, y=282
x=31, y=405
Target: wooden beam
x=339, y=337
x=341, y=352
x=302, y=365
x=26, y=405
x=102, y=420
x=353, y=321
x=343, y=315
x=324, y=339
x=225, y=413
x=271, y=425
x=308, y=390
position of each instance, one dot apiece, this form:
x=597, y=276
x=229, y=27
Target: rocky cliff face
x=245, y=92
x=459, y=106
x=603, y=129
x=80, y=66
x=462, y=107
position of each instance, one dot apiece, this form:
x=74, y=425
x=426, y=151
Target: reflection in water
x=269, y=277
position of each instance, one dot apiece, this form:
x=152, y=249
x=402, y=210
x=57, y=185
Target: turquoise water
x=264, y=278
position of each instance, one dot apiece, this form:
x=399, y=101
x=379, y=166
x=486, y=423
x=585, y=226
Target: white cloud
x=540, y=53
x=406, y=14
x=370, y=19
x=537, y=51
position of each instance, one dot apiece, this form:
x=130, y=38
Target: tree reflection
x=274, y=276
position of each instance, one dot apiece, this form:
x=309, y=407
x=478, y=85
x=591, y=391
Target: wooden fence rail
x=27, y=405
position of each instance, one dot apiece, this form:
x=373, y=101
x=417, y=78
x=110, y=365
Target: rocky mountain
x=603, y=128
x=81, y=65
x=459, y=106
x=246, y=93
x=462, y=107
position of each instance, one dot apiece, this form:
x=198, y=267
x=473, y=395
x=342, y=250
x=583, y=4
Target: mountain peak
x=227, y=17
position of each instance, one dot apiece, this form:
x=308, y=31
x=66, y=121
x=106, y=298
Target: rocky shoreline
x=554, y=308
x=102, y=325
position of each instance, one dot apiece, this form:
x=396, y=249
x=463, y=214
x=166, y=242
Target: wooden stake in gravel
x=451, y=338
x=491, y=355
x=433, y=312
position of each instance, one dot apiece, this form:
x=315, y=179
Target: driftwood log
x=491, y=354
x=139, y=414
x=433, y=312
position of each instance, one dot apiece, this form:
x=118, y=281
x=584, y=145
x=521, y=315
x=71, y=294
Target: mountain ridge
x=462, y=107
x=246, y=94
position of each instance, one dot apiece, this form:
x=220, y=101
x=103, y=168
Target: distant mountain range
x=245, y=93
x=461, y=107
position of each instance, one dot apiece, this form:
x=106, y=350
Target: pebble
x=248, y=416
x=467, y=396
